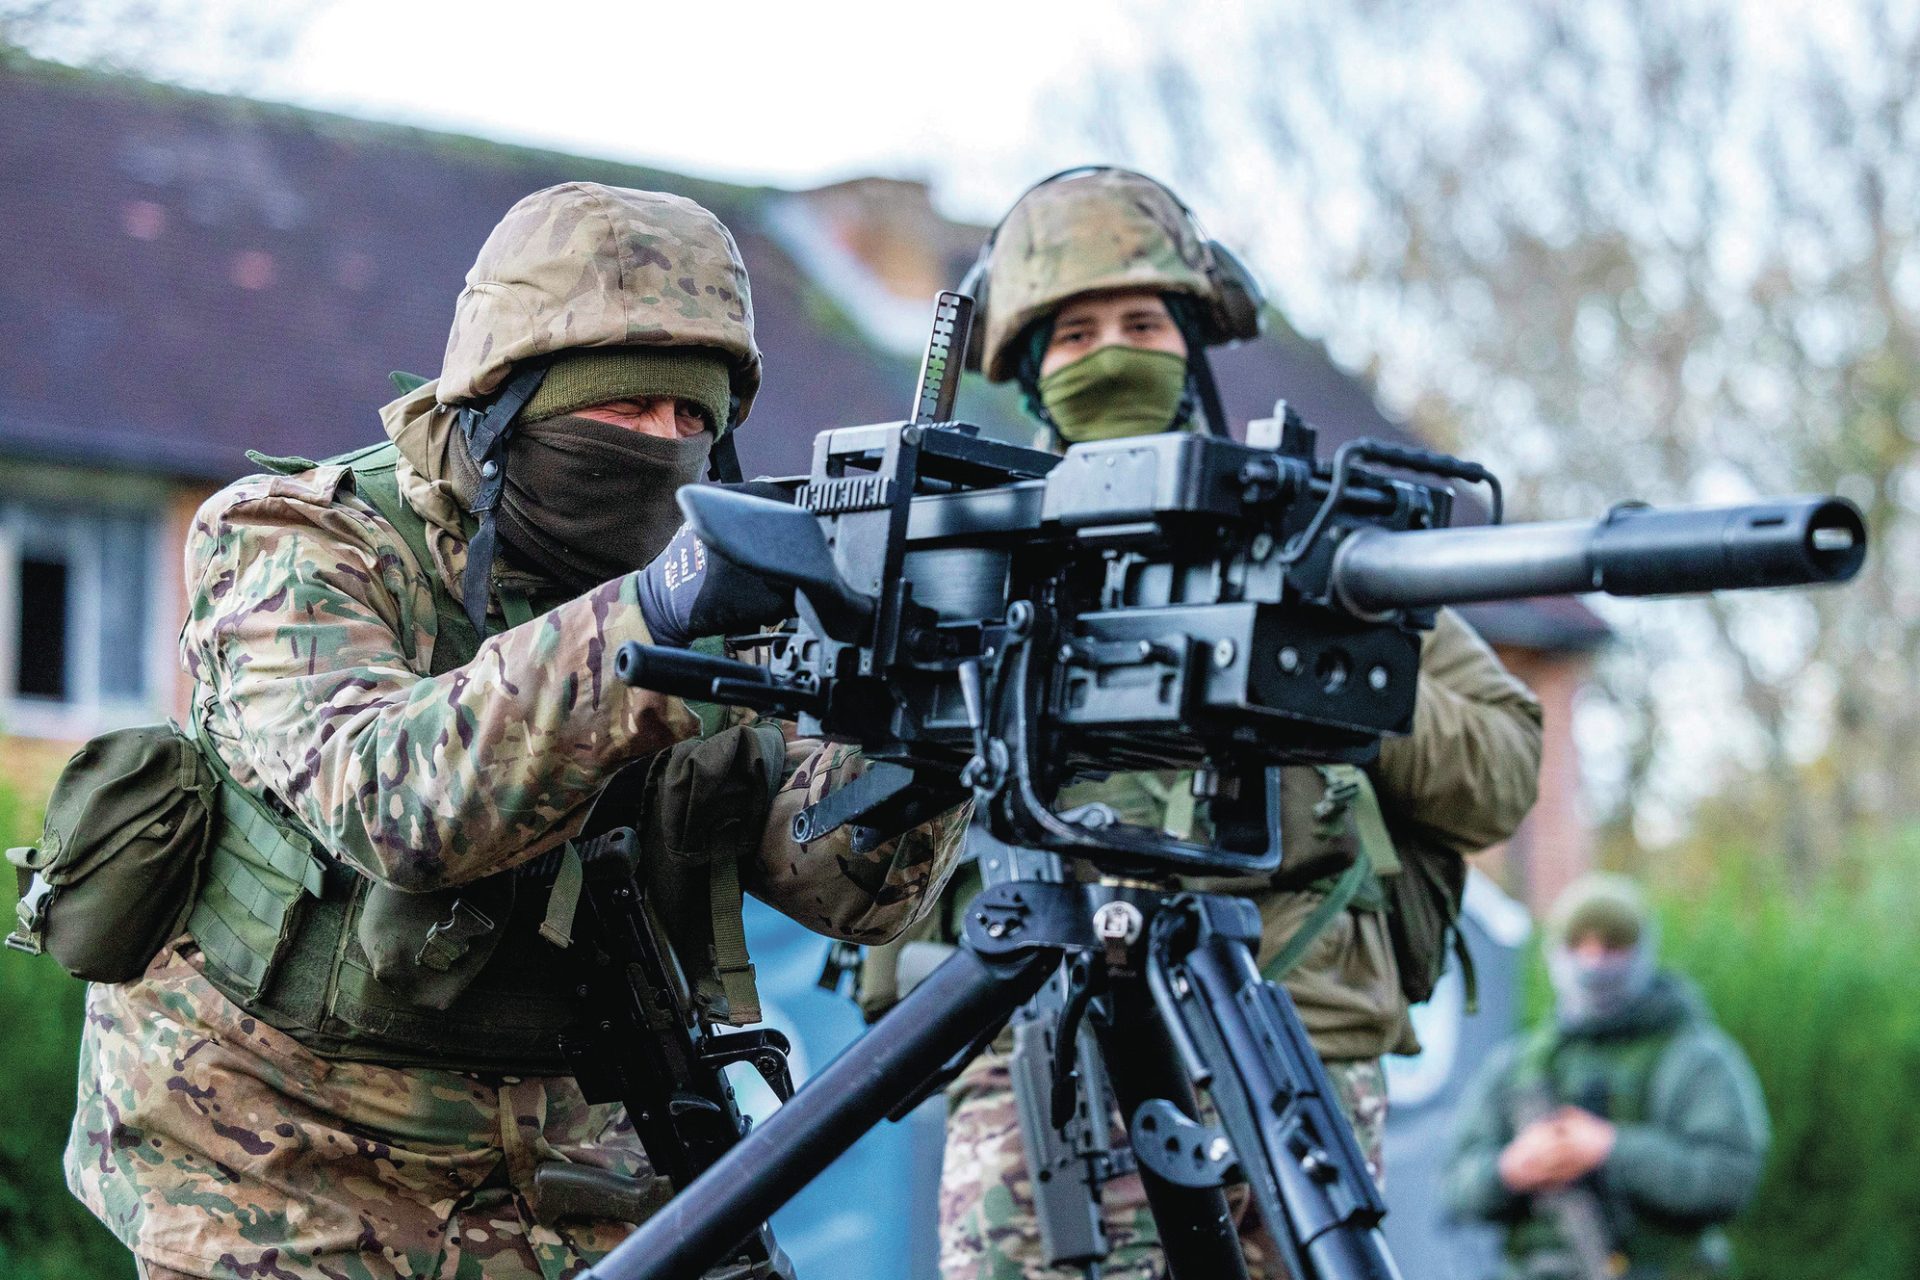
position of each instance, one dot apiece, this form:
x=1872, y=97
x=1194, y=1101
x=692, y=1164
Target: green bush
x=1818, y=985
x=44, y=1233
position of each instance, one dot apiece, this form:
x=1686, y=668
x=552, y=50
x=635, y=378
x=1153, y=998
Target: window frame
x=79, y=498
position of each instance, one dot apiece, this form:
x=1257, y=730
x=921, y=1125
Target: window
x=77, y=616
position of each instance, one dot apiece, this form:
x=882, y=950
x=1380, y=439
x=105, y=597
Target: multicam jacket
x=215, y=1145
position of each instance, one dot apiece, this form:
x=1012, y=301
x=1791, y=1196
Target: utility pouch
x=1320, y=807
x=1423, y=910
x=704, y=808
x=120, y=857
x=429, y=947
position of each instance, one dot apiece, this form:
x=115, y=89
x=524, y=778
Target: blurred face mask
x=1597, y=986
x=1113, y=392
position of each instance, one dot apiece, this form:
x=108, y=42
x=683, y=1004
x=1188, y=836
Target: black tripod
x=1182, y=1005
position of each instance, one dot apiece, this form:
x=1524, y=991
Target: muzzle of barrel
x=1796, y=542
x=1633, y=551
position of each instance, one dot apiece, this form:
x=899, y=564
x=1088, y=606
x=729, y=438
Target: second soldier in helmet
x=1100, y=296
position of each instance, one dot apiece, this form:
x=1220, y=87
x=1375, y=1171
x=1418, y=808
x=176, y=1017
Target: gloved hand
x=688, y=592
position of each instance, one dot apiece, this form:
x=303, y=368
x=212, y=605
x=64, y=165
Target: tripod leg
x=963, y=998
x=1276, y=1104
x=1197, y=1230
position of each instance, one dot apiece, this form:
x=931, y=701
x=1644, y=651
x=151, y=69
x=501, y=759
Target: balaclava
x=586, y=501
x=1114, y=391
x=1596, y=990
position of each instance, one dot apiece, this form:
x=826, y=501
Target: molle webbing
x=277, y=919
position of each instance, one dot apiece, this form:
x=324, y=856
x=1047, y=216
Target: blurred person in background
x=1616, y=1139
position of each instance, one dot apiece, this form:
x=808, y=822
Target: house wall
x=29, y=762
x=1554, y=844
x=179, y=519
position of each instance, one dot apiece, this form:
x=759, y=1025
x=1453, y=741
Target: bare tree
x=1624, y=248
x=212, y=44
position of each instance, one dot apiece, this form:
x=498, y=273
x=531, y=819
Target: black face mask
x=586, y=501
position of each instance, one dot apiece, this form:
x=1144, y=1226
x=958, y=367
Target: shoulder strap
x=1339, y=897
x=376, y=479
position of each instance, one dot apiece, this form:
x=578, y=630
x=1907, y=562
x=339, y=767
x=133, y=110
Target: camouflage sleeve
x=861, y=897
x=307, y=632
x=1470, y=770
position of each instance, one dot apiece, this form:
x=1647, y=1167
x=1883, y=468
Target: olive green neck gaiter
x=586, y=501
x=1113, y=392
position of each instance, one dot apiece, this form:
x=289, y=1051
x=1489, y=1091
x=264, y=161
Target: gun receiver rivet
x=1180, y=986
x=1377, y=679
x=1262, y=546
x=1289, y=659
x=1219, y=1149
x=1223, y=654
x=1118, y=924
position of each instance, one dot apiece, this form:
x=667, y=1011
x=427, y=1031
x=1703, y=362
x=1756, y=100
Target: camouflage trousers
x=988, y=1226
x=215, y=1146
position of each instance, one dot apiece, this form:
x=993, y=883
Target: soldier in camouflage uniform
x=1099, y=291
x=299, y=1086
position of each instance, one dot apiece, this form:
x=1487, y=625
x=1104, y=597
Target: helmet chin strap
x=485, y=433
x=723, y=463
x=1200, y=369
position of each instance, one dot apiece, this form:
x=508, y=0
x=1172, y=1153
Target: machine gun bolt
x=1288, y=659
x=1019, y=617
x=1223, y=653
x=1377, y=679
x=1262, y=547
x=1219, y=1149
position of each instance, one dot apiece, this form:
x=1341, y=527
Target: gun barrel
x=1633, y=551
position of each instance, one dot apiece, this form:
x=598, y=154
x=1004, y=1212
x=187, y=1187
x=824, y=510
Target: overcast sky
x=751, y=91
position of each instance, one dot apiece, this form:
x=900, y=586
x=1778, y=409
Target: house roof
x=187, y=276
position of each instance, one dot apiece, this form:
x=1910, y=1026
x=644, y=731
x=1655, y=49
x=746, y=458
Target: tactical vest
x=1613, y=1079
x=460, y=979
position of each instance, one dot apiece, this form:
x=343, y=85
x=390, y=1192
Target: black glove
x=689, y=592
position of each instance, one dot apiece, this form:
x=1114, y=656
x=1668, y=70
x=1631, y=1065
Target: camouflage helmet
x=1093, y=230
x=587, y=265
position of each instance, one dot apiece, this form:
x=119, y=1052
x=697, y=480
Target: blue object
x=873, y=1215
